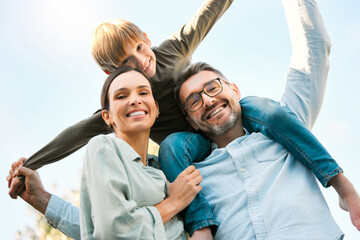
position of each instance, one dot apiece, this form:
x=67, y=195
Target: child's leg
x=177, y=152
x=282, y=125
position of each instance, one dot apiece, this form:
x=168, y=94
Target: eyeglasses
x=212, y=88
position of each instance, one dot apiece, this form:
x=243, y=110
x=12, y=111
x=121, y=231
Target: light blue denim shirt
x=255, y=187
x=257, y=190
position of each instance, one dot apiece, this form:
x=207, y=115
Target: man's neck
x=226, y=138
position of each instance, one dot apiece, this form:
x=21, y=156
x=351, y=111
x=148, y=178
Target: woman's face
x=132, y=107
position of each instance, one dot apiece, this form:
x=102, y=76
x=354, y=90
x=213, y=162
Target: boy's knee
x=264, y=108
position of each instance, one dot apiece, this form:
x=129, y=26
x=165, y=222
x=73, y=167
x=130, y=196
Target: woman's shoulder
x=109, y=142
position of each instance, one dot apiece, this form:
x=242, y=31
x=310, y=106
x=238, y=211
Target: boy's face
x=140, y=55
x=218, y=114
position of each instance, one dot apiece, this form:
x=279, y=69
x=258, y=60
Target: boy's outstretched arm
x=187, y=39
x=68, y=141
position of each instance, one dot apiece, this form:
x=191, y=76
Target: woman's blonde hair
x=109, y=42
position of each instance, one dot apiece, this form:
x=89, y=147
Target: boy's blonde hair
x=109, y=41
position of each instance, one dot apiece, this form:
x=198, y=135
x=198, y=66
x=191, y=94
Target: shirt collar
x=214, y=146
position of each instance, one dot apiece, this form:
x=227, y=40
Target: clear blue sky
x=50, y=81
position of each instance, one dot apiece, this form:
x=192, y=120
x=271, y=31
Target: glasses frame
x=203, y=91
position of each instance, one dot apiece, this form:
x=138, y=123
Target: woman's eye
x=121, y=97
x=144, y=93
x=139, y=47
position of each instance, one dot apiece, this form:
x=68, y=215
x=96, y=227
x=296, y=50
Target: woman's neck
x=138, y=141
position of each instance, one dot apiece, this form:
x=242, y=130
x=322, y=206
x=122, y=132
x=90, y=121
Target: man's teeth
x=219, y=109
x=137, y=113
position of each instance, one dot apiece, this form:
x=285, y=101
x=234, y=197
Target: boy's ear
x=147, y=40
x=236, y=90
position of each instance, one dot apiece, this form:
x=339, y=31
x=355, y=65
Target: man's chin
x=221, y=127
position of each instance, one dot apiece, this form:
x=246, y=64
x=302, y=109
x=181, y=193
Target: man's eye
x=212, y=88
x=194, y=102
x=139, y=47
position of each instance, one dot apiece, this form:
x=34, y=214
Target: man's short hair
x=190, y=71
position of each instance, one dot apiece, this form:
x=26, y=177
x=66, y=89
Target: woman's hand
x=181, y=193
x=185, y=187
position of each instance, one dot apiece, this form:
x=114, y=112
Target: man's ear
x=147, y=40
x=192, y=123
x=236, y=91
x=107, y=117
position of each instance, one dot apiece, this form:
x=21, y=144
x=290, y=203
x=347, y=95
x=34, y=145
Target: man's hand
x=15, y=184
x=349, y=199
x=31, y=190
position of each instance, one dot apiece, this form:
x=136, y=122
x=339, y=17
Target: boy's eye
x=139, y=47
x=126, y=61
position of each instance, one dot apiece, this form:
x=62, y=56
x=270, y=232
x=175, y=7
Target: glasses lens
x=213, y=88
x=193, y=102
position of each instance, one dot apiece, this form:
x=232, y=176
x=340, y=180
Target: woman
x=123, y=195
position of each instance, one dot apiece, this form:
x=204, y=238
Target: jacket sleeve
x=68, y=141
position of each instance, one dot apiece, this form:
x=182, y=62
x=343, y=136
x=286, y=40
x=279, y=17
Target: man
x=255, y=187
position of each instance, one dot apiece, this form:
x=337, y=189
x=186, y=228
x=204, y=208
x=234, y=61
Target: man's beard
x=212, y=131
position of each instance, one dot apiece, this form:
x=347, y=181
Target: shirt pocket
x=267, y=150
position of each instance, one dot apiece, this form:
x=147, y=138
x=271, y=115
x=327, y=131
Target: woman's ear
x=158, y=110
x=107, y=117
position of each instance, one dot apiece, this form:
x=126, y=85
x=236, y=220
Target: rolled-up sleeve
x=63, y=216
x=306, y=80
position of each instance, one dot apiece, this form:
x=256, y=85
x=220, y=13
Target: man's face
x=218, y=114
x=140, y=55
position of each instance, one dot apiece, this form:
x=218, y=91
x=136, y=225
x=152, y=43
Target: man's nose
x=208, y=101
